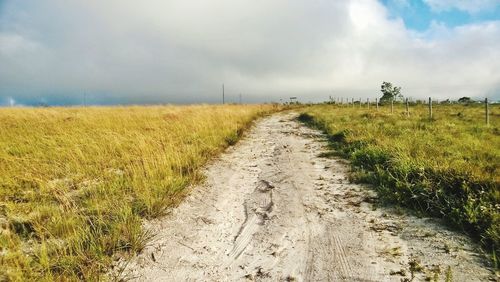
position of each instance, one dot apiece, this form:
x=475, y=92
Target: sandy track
x=272, y=210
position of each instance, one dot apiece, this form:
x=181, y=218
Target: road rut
x=271, y=209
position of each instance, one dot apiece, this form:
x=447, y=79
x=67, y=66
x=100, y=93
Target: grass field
x=446, y=167
x=76, y=182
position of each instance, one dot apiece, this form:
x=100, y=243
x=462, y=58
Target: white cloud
x=12, y=43
x=182, y=51
x=470, y=6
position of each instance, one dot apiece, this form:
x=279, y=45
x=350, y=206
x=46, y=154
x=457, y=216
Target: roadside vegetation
x=447, y=167
x=76, y=182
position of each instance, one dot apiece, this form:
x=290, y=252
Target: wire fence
x=376, y=104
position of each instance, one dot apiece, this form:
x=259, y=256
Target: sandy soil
x=271, y=209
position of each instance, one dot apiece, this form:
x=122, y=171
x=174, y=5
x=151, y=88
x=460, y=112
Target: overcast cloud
x=120, y=51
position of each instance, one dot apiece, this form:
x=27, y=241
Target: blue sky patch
x=418, y=15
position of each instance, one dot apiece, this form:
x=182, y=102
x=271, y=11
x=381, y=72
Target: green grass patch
x=447, y=167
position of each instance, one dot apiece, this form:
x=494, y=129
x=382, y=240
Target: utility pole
x=223, y=94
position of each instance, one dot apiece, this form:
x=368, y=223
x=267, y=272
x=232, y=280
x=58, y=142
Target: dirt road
x=273, y=210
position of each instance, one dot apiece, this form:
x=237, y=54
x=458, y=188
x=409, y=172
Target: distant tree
x=390, y=92
x=465, y=100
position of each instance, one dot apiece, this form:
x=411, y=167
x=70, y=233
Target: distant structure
x=223, y=94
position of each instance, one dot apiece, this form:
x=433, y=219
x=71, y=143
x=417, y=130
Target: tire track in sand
x=272, y=210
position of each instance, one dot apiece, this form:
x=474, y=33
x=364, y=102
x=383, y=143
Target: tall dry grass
x=76, y=182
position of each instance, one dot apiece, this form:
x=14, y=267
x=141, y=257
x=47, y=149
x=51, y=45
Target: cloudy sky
x=181, y=51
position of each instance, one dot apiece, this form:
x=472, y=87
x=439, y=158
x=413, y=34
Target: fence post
x=430, y=108
x=487, y=108
x=407, y=108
